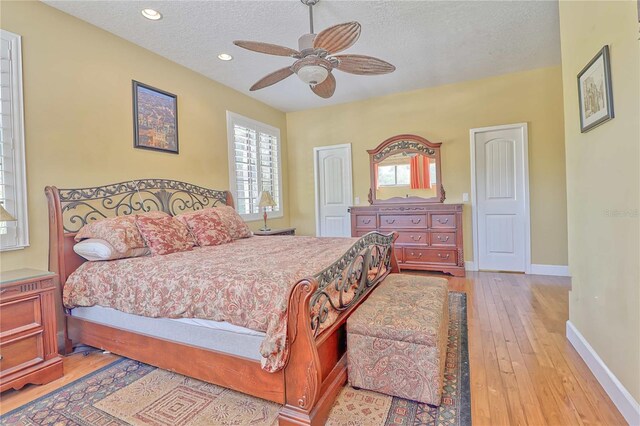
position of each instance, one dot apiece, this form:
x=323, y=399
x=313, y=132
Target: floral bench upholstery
x=397, y=339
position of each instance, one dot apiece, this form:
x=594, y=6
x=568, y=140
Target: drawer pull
x=446, y=238
x=418, y=256
x=366, y=221
x=446, y=256
x=413, y=237
x=446, y=220
x=415, y=221
x=390, y=221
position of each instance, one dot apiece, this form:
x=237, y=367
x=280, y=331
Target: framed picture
x=594, y=92
x=155, y=119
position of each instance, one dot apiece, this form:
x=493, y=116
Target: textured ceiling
x=430, y=43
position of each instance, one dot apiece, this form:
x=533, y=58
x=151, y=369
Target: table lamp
x=266, y=200
x=5, y=216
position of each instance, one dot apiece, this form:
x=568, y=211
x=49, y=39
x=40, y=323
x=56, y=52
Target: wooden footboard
x=318, y=311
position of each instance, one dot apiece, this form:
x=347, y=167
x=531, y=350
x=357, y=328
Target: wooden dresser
x=429, y=234
x=28, y=341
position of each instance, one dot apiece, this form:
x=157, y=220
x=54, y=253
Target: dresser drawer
x=21, y=353
x=443, y=239
x=443, y=257
x=443, y=221
x=403, y=221
x=359, y=234
x=366, y=221
x=410, y=237
x=20, y=315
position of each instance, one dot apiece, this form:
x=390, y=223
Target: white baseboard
x=557, y=270
x=628, y=406
x=470, y=266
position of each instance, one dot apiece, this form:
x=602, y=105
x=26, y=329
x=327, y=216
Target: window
x=254, y=165
x=398, y=175
x=13, y=191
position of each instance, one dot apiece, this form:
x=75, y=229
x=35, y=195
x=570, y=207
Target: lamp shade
x=266, y=200
x=5, y=216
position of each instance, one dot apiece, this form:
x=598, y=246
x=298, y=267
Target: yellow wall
x=603, y=174
x=445, y=114
x=78, y=115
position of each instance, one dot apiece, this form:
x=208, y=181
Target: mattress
x=215, y=335
x=246, y=283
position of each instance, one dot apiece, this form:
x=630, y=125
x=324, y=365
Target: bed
x=317, y=289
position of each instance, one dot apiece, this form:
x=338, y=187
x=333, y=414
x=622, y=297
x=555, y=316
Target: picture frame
x=155, y=118
x=595, y=94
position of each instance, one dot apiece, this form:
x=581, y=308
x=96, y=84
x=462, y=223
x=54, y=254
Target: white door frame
x=316, y=177
x=474, y=200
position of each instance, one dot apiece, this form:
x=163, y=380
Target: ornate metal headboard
x=70, y=209
x=82, y=205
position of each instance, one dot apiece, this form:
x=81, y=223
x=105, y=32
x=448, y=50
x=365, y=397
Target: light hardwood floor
x=523, y=369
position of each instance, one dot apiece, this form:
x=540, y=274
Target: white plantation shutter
x=254, y=165
x=13, y=195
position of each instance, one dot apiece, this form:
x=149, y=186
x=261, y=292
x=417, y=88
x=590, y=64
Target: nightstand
x=28, y=332
x=283, y=231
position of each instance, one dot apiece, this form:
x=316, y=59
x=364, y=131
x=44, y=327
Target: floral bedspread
x=246, y=283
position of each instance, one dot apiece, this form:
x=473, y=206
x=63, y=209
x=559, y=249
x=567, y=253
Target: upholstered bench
x=397, y=339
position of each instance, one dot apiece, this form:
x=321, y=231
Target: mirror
x=405, y=168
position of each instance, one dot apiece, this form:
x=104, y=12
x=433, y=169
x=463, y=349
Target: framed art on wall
x=155, y=118
x=594, y=91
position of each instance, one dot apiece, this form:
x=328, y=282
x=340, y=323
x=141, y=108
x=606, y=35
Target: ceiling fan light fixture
x=312, y=74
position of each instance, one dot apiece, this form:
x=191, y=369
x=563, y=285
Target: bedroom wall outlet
x=465, y=196
x=357, y=200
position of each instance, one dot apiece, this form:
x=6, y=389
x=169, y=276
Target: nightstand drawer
x=21, y=353
x=20, y=315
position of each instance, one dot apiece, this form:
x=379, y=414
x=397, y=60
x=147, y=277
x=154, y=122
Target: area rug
x=128, y=392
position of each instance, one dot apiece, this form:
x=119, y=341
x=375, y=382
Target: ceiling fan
x=316, y=57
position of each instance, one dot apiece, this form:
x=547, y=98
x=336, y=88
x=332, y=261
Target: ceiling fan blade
x=269, y=49
x=337, y=38
x=272, y=78
x=363, y=65
x=326, y=88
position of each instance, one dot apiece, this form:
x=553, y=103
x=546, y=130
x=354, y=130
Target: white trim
x=316, y=177
x=18, y=141
x=470, y=265
x=233, y=118
x=557, y=270
x=620, y=396
x=474, y=201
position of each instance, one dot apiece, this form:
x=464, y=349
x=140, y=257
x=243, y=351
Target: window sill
x=22, y=247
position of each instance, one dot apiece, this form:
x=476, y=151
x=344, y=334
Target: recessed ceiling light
x=152, y=14
x=225, y=57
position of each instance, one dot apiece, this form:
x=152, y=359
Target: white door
x=333, y=190
x=501, y=222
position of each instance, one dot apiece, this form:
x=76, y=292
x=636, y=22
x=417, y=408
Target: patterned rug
x=127, y=392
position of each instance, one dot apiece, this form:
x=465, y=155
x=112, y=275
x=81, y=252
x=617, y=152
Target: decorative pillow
x=206, y=227
x=233, y=222
x=120, y=231
x=164, y=235
x=95, y=249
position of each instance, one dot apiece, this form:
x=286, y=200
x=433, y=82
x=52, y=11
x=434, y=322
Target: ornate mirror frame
x=410, y=144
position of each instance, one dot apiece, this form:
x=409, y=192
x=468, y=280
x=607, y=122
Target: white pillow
x=96, y=249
